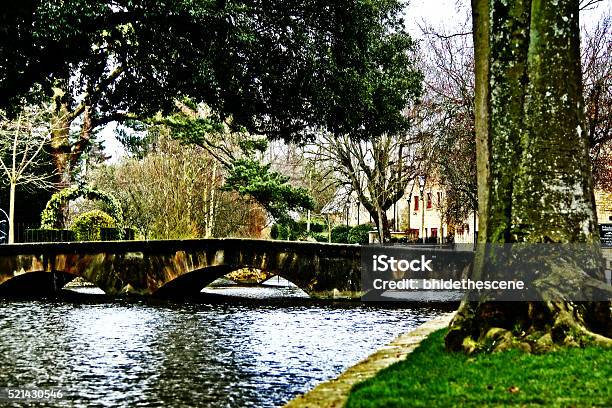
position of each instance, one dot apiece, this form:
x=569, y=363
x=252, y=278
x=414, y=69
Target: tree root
x=554, y=321
x=535, y=327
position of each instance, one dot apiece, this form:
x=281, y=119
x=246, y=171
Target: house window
x=439, y=197
x=428, y=200
x=416, y=203
x=434, y=232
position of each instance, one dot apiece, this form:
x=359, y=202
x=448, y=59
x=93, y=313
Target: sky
x=446, y=14
x=437, y=13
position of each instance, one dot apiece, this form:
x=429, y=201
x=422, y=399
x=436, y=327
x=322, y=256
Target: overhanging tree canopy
x=278, y=67
x=283, y=68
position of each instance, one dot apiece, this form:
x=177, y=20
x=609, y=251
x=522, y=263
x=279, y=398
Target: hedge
x=359, y=234
x=296, y=230
x=339, y=234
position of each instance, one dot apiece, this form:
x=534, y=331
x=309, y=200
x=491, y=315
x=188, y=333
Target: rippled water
x=209, y=352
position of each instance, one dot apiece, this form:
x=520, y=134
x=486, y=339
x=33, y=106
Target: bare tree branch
x=23, y=140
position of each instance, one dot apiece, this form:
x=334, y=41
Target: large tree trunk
x=60, y=147
x=380, y=219
x=534, y=178
x=383, y=223
x=64, y=153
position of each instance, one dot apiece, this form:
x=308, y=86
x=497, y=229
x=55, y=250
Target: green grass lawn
x=430, y=377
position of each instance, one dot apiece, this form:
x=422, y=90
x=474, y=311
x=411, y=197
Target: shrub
x=316, y=226
x=339, y=234
x=284, y=232
x=87, y=226
x=320, y=237
x=274, y=231
x=359, y=234
x=281, y=232
x=297, y=230
x=50, y=216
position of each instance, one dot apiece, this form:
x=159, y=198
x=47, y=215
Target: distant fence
x=20, y=232
x=33, y=233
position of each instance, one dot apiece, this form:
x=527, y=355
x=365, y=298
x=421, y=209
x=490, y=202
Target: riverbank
x=334, y=393
x=433, y=377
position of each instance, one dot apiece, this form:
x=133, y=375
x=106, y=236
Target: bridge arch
x=38, y=283
x=192, y=283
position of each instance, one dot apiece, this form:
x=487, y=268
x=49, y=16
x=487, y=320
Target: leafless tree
x=22, y=142
x=589, y=4
x=378, y=171
x=597, y=90
x=445, y=117
x=174, y=192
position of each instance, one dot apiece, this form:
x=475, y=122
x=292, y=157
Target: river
x=230, y=347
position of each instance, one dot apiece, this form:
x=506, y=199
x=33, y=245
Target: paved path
x=333, y=393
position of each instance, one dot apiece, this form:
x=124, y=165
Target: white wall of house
x=423, y=214
x=603, y=203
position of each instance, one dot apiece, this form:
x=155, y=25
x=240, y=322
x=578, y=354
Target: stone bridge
x=185, y=267
x=175, y=267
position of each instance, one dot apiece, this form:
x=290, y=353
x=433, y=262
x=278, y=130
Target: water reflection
x=203, y=353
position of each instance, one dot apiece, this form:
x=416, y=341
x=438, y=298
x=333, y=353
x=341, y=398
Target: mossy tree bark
x=535, y=182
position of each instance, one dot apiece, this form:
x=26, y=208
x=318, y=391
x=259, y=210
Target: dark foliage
x=278, y=67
